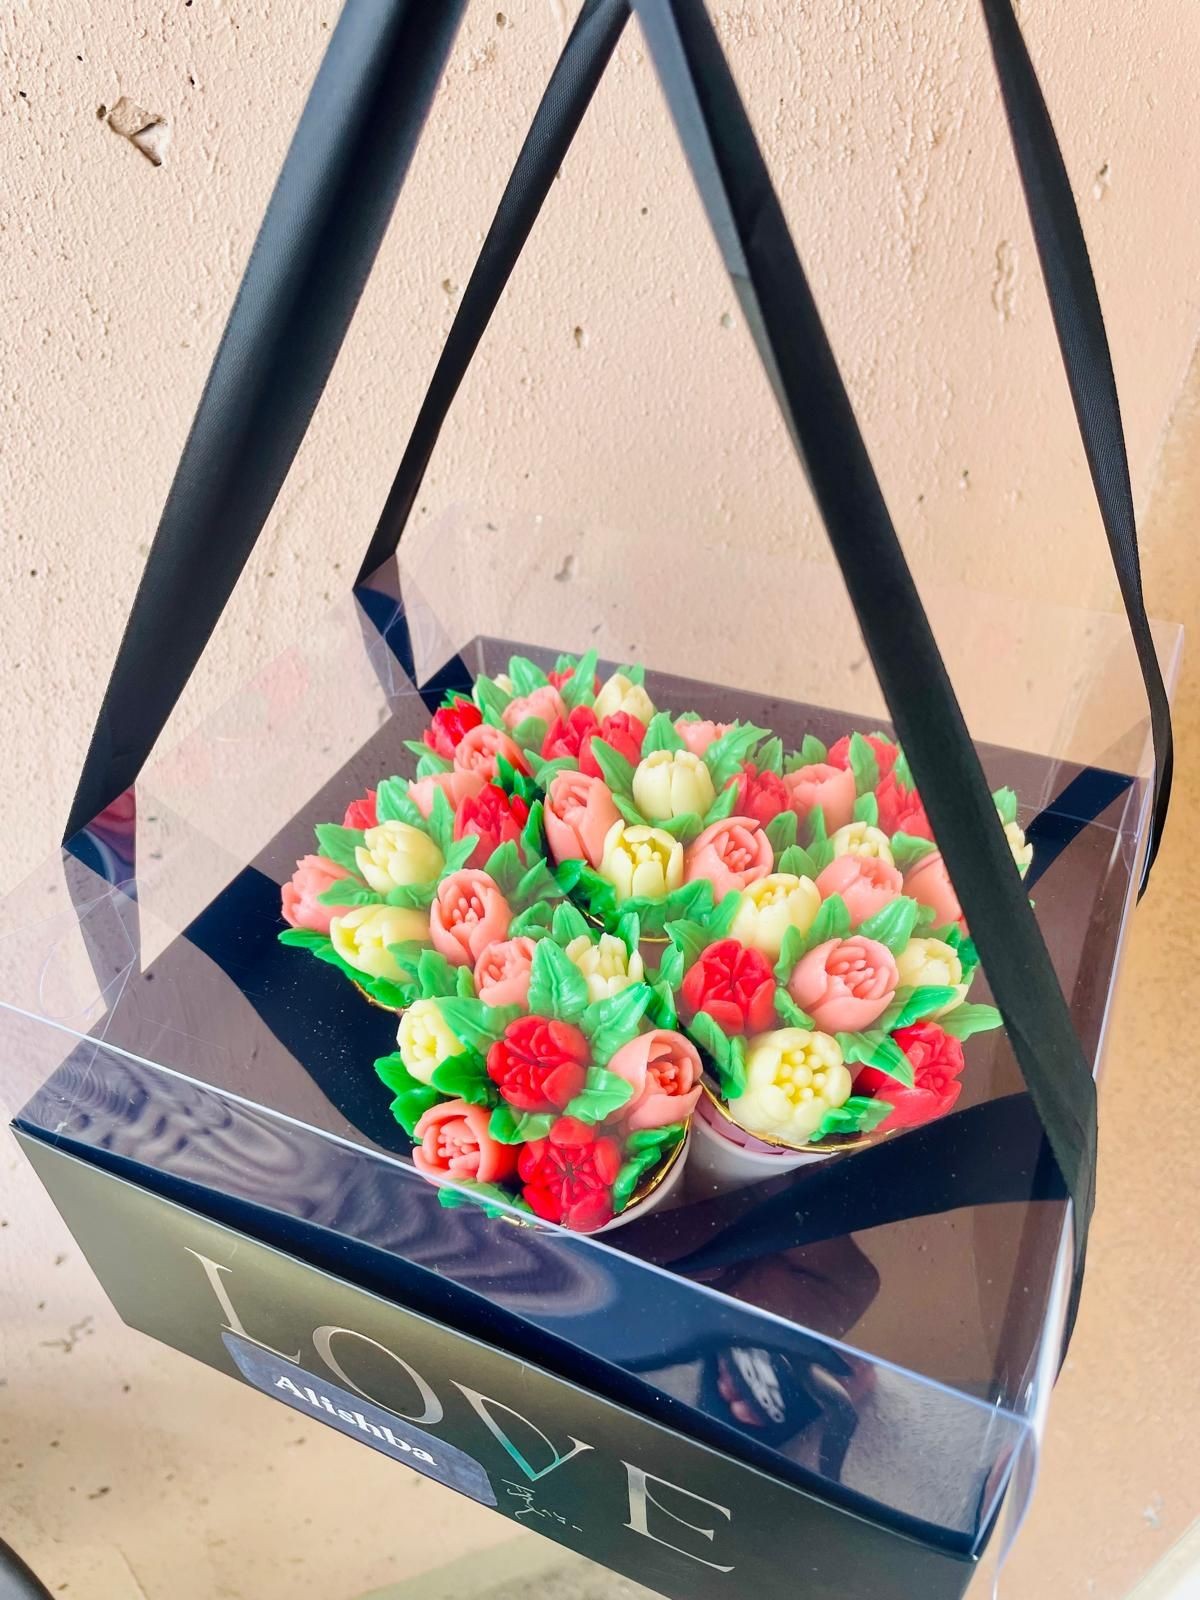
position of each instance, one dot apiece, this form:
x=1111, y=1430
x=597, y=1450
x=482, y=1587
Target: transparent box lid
x=881, y=1328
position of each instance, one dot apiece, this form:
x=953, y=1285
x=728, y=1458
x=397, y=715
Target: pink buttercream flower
x=831, y=788
x=845, y=984
x=730, y=854
x=456, y=785
x=545, y=703
x=699, y=735
x=301, y=907
x=928, y=881
x=453, y=1142
x=362, y=813
x=480, y=748
x=502, y=972
x=468, y=914
x=865, y=883
x=664, y=1070
x=578, y=813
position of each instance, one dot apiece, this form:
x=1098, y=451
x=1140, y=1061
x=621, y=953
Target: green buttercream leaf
x=893, y=925
x=635, y=672
x=724, y=757
x=912, y=1005
x=712, y=1039
x=769, y=757
x=721, y=807
x=475, y=1025
x=615, y=768
x=505, y=868
x=877, y=1049
x=733, y=1078
x=507, y=1126
x=863, y=765
x=441, y=822
x=782, y=832
x=790, y=1013
x=546, y=771
x=629, y=930
x=491, y=699
x=435, y=975
x=812, y=752
x=720, y=921
x=526, y=675
x=684, y=827
x=866, y=809
x=603, y=1094
x=557, y=988
x=594, y=893
x=412, y=1098
x=671, y=967
x=611, y=1023
x=533, y=834
x=534, y=921
x=628, y=810
x=907, y=849
x=530, y=733
x=690, y=938
x=965, y=1020
x=580, y=687
x=538, y=883
x=661, y=734
x=349, y=892
x=661, y=1012
x=967, y=954
x=464, y=1077
x=859, y=1114
x=490, y=1197
x=820, y=850
x=464, y=983
x=832, y=921
x=459, y=853
x=338, y=844
x=565, y=663
x=797, y=861
x=393, y=803
x=641, y=1159
x=569, y=923
x=412, y=896
x=1006, y=805
x=305, y=939
x=514, y=782
x=431, y=765
x=790, y=951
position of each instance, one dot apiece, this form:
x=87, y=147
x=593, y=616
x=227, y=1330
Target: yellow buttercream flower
x=670, y=783
x=622, y=694
x=424, y=1039
x=607, y=965
x=641, y=861
x=362, y=937
x=1022, y=852
x=930, y=963
x=861, y=839
x=793, y=1077
x=770, y=907
x=395, y=854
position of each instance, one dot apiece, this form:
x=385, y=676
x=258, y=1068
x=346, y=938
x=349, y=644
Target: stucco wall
x=611, y=388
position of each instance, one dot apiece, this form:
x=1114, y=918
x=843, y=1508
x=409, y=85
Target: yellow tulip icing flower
x=770, y=907
x=622, y=694
x=607, y=965
x=793, y=1077
x=670, y=783
x=929, y=963
x=362, y=937
x=424, y=1039
x=641, y=861
x=1022, y=852
x=395, y=854
x=861, y=839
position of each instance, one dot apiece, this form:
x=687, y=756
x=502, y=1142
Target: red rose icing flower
x=564, y=740
x=761, y=795
x=453, y=1142
x=885, y=752
x=623, y=732
x=481, y=748
x=362, y=813
x=937, y=1060
x=493, y=816
x=900, y=809
x=569, y=1175
x=445, y=732
x=539, y=1064
x=734, y=985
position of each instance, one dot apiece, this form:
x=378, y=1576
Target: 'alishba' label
x=360, y=1419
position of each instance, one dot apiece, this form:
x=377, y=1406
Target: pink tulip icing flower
x=545, y=703
x=928, y=882
x=468, y=914
x=502, y=972
x=831, y=788
x=664, y=1070
x=453, y=1142
x=301, y=907
x=481, y=748
x=457, y=786
x=865, y=883
x=845, y=984
x=697, y=736
x=579, y=812
x=731, y=854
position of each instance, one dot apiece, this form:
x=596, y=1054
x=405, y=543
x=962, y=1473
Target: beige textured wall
x=610, y=388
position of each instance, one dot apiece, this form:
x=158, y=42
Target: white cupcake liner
x=662, y=1189
x=726, y=1156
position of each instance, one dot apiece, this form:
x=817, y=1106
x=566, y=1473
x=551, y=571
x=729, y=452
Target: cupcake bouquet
x=596, y=918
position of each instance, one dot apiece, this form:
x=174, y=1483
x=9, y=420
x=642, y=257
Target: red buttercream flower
x=937, y=1060
x=559, y=678
x=569, y=1175
x=449, y=724
x=623, y=732
x=493, y=816
x=539, y=1064
x=362, y=813
x=566, y=738
x=734, y=985
x=900, y=809
x=761, y=795
x=885, y=752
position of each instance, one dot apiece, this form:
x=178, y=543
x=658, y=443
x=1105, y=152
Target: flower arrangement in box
x=580, y=902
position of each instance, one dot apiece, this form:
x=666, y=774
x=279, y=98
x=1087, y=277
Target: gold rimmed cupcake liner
x=826, y=1147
